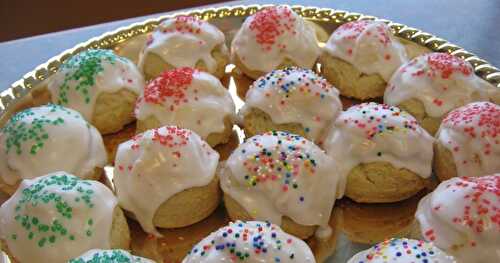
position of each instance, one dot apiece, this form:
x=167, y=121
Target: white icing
x=256, y=241
x=371, y=132
x=462, y=217
x=440, y=81
x=109, y=256
x=66, y=215
x=402, y=251
x=273, y=34
x=471, y=133
x=189, y=99
x=112, y=73
x=279, y=174
x=295, y=96
x=183, y=41
x=158, y=164
x=369, y=46
x=71, y=144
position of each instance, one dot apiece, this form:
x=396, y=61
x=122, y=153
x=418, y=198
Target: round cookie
x=462, y=217
x=274, y=37
x=467, y=142
x=184, y=41
x=100, y=85
x=360, y=57
x=294, y=100
x=58, y=216
x=402, y=251
x=166, y=178
x=282, y=178
x=383, y=154
x=431, y=85
x=250, y=242
x=38, y=140
x=190, y=99
x=109, y=256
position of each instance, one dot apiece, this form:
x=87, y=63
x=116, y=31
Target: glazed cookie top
x=371, y=132
x=79, y=81
x=250, y=242
x=440, y=81
x=280, y=174
x=183, y=41
x=156, y=165
x=272, y=35
x=57, y=217
x=369, y=46
x=187, y=98
x=472, y=134
x=462, y=217
x=402, y=250
x=295, y=95
x=36, y=141
x=109, y=256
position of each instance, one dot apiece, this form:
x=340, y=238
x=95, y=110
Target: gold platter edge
x=23, y=86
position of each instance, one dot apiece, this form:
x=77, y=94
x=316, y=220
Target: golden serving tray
x=355, y=225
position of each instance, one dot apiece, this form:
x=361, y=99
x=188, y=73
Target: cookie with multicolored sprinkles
x=59, y=216
x=383, y=154
x=282, y=178
x=468, y=142
x=100, y=85
x=250, y=242
x=462, y=217
x=294, y=100
x=274, y=37
x=109, y=256
x=402, y=251
x=38, y=140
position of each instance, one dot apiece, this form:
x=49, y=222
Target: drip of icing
x=250, y=242
x=440, y=81
x=79, y=81
x=371, y=132
x=462, y=217
x=109, y=256
x=273, y=34
x=280, y=174
x=156, y=165
x=183, y=41
x=57, y=217
x=295, y=96
x=472, y=134
x=189, y=99
x=37, y=141
x=369, y=46
x=402, y=251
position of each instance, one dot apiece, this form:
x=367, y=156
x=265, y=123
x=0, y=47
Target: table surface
x=474, y=25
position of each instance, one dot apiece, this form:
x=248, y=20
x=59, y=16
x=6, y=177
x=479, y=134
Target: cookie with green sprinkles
x=109, y=256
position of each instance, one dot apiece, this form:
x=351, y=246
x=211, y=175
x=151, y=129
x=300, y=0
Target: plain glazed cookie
x=109, y=256
x=38, y=140
x=184, y=41
x=294, y=100
x=274, y=37
x=58, y=216
x=282, y=178
x=431, y=85
x=402, y=251
x=250, y=242
x=100, y=85
x=166, y=178
x=468, y=142
x=360, y=57
x=382, y=153
x=462, y=217
x=190, y=99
